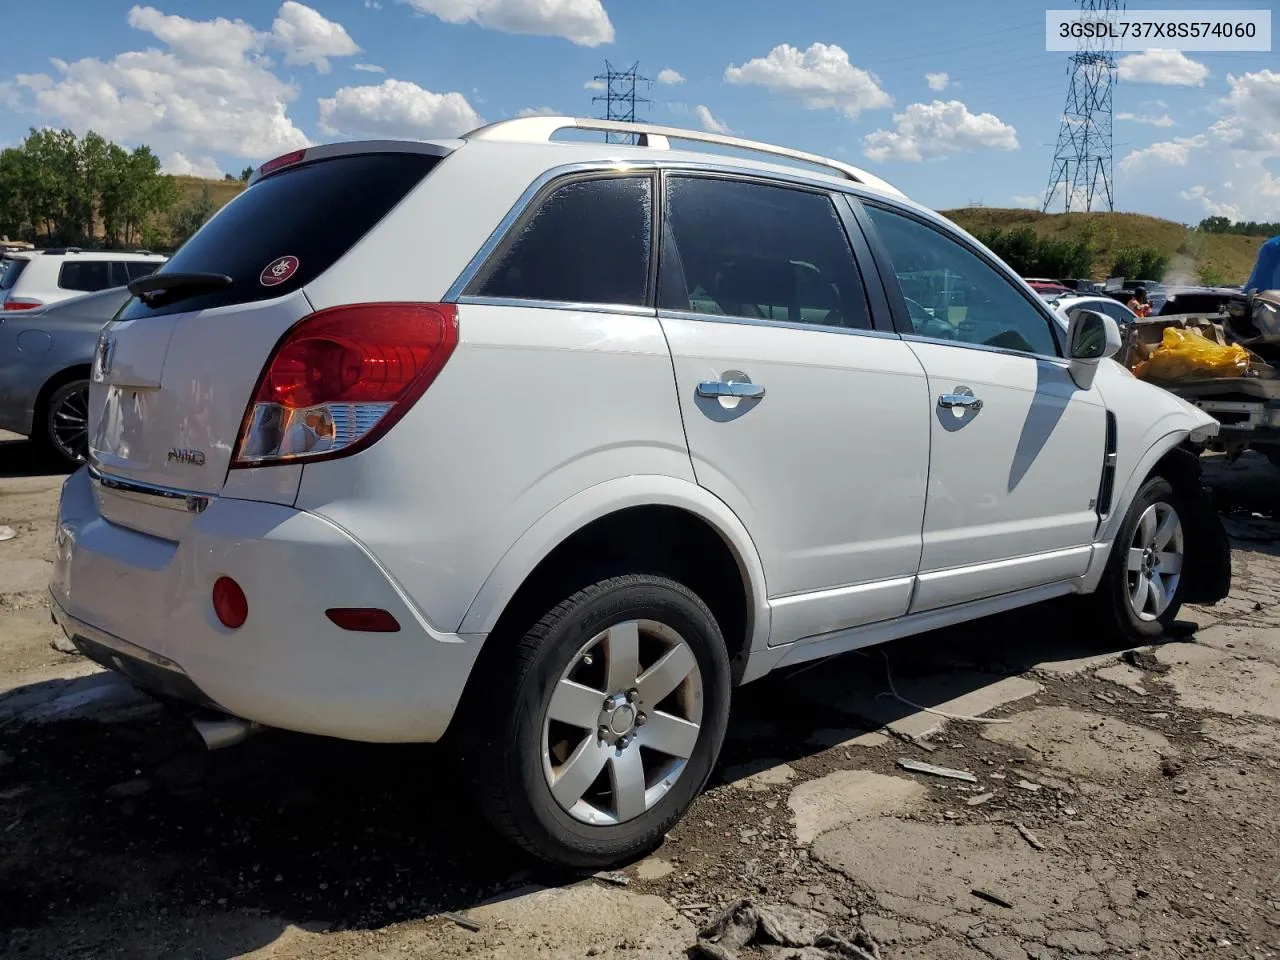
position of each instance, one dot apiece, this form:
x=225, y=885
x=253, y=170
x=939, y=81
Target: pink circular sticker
x=278, y=271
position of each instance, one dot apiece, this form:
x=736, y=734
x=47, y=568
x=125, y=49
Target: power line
x=620, y=97
x=1081, y=168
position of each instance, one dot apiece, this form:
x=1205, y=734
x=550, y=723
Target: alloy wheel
x=1154, y=564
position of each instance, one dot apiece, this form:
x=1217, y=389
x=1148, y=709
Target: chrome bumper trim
x=168, y=497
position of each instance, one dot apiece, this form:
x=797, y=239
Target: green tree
x=246, y=173
x=186, y=218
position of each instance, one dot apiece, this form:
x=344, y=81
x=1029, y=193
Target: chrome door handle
x=719, y=388
x=968, y=401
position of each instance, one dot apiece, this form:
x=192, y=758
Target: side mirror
x=1091, y=338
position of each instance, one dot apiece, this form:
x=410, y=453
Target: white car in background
x=35, y=278
x=1066, y=307
x=549, y=446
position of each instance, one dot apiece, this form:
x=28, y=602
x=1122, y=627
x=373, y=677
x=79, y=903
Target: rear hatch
x=175, y=371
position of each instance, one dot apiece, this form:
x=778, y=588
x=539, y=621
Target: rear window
x=10, y=270
x=306, y=217
x=85, y=275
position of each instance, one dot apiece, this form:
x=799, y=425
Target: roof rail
x=655, y=136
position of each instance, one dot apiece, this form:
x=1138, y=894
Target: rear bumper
x=142, y=605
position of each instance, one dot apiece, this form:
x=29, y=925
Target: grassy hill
x=1193, y=255
x=221, y=191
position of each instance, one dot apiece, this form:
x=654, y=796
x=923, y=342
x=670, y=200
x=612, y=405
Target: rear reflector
x=22, y=304
x=363, y=619
x=341, y=378
x=230, y=603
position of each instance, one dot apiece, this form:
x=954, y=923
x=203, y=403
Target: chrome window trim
x=170, y=498
x=986, y=348
x=641, y=166
x=775, y=324
x=629, y=309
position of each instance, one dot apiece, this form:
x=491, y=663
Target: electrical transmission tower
x=620, y=98
x=1082, y=159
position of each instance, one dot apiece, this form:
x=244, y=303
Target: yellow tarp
x=1186, y=353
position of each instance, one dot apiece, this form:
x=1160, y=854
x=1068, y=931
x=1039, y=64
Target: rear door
x=811, y=424
x=173, y=377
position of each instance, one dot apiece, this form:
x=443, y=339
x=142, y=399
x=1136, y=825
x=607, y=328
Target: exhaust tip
x=221, y=731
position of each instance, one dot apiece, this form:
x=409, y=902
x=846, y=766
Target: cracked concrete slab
x=1206, y=678
x=1083, y=744
x=1251, y=739
x=846, y=737
x=759, y=776
x=846, y=795
x=1123, y=675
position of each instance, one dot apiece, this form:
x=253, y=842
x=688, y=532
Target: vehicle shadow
x=21, y=458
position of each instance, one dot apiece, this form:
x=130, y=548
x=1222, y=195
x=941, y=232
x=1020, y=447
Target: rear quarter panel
x=534, y=407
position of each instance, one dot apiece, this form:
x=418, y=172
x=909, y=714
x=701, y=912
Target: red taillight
x=284, y=160
x=22, y=304
x=363, y=619
x=342, y=377
x=230, y=603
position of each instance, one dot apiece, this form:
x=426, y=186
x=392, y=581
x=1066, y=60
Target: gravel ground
x=1123, y=802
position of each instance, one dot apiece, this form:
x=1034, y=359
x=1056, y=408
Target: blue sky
x=954, y=103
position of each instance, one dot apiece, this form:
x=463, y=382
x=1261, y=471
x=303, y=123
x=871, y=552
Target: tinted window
x=315, y=212
x=587, y=242
x=119, y=273
x=141, y=268
x=1116, y=311
x=87, y=275
x=10, y=270
x=759, y=251
x=953, y=294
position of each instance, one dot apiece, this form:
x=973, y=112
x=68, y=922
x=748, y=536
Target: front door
x=1017, y=447
x=809, y=423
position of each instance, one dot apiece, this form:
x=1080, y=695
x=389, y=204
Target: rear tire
x=61, y=430
x=592, y=737
x=1141, y=589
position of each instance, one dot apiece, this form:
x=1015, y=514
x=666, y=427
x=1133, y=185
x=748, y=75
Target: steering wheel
x=926, y=324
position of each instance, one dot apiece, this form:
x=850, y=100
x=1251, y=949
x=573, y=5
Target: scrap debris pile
x=1243, y=342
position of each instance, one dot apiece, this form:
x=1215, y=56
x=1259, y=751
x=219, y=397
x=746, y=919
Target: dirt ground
x=1122, y=803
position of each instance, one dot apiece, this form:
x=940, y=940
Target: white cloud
x=1163, y=120
x=372, y=5
x=669, y=76
x=181, y=165
x=1253, y=121
x=937, y=81
x=1169, y=67
x=1200, y=194
x=396, y=108
x=308, y=38
x=1030, y=200
x=1176, y=151
x=709, y=121
x=582, y=21
x=211, y=91
x=369, y=68
x=538, y=112
x=821, y=77
x=596, y=85
x=928, y=130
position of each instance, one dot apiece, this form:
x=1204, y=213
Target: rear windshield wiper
x=169, y=287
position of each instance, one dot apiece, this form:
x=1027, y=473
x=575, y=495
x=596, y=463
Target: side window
x=85, y=275
x=1116, y=311
x=119, y=273
x=586, y=242
x=141, y=268
x=952, y=294
x=758, y=251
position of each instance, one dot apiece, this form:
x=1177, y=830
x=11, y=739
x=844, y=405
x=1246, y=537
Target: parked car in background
x=1200, y=300
x=1068, y=305
x=35, y=278
x=1051, y=287
x=625, y=427
x=45, y=358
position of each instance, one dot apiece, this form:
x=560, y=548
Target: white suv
x=548, y=446
x=40, y=277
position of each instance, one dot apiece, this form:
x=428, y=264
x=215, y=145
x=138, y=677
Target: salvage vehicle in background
x=35, y=278
x=45, y=357
x=544, y=447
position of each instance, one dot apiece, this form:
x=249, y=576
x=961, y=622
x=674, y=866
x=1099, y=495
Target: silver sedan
x=45, y=358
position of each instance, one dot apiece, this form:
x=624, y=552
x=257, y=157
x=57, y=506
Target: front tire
x=595, y=734
x=1142, y=587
